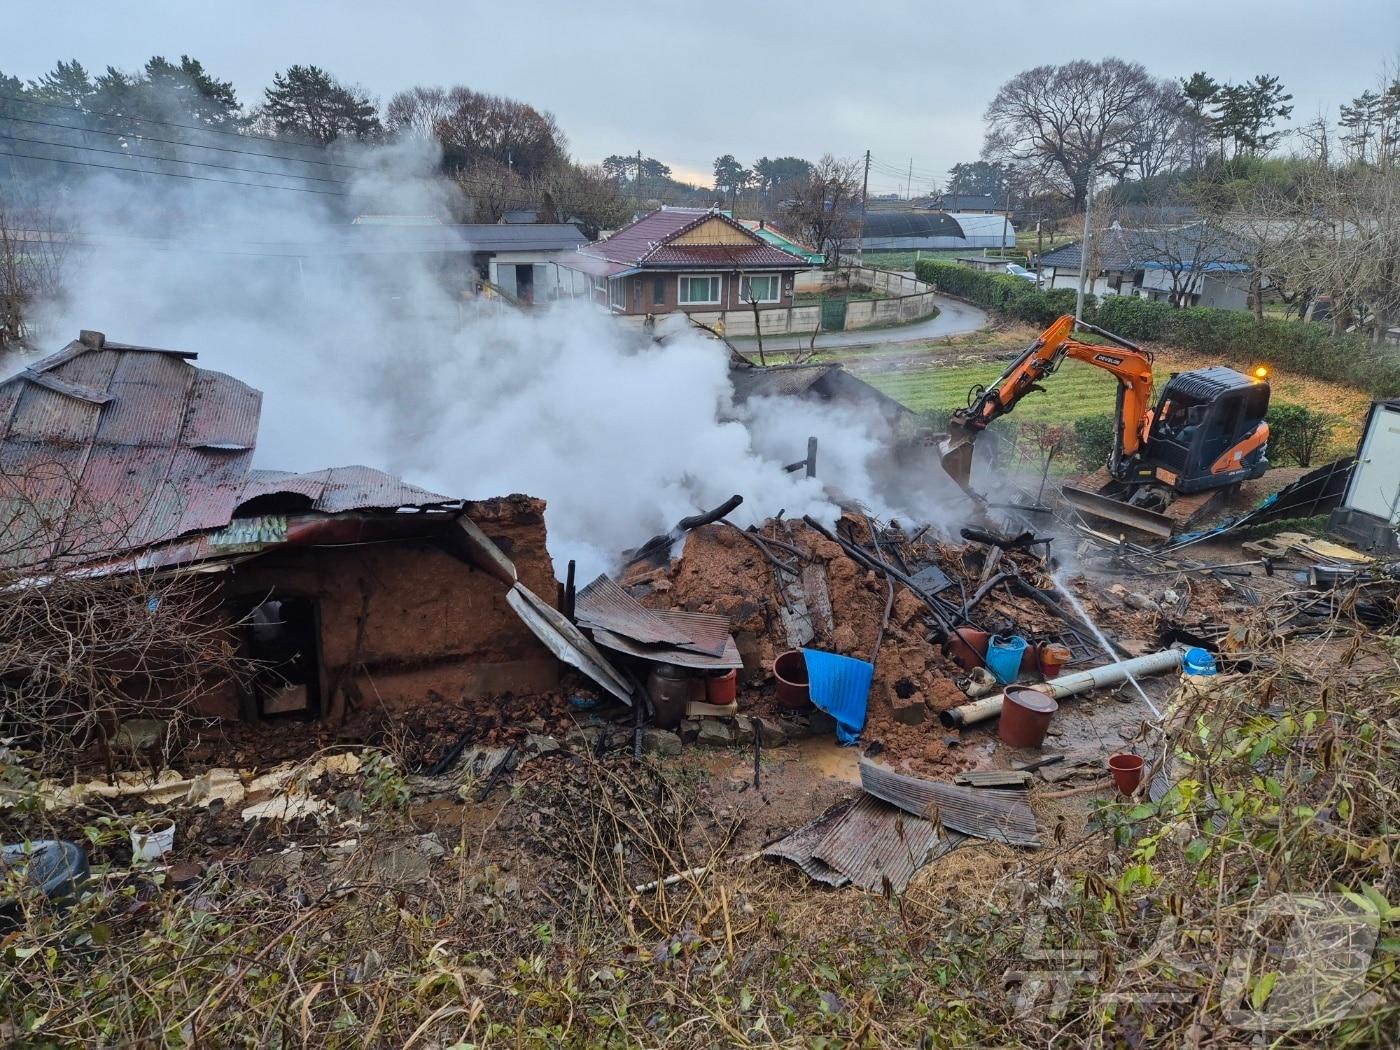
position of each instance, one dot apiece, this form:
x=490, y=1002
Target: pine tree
x=307, y=102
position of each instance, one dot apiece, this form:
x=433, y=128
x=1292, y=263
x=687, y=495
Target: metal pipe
x=1071, y=684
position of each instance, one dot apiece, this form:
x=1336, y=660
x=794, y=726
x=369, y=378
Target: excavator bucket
x=1100, y=506
x=955, y=452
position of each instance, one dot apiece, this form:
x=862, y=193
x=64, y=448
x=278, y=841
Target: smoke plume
x=371, y=359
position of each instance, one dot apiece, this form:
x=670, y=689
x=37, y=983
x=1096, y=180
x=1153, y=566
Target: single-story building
x=516, y=257
x=351, y=588
x=908, y=230
x=969, y=203
x=684, y=260
x=1193, y=263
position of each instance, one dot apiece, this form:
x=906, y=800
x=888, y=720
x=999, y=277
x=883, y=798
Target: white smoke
x=366, y=359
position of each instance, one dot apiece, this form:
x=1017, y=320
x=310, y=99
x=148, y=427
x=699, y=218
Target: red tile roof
x=106, y=447
x=647, y=244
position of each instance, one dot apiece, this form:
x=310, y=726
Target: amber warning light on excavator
x=1261, y=373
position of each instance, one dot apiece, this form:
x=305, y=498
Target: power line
x=173, y=124
x=175, y=175
x=172, y=142
x=170, y=160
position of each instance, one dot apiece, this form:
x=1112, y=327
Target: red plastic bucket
x=1127, y=771
x=1025, y=717
x=721, y=690
x=790, y=669
x=968, y=646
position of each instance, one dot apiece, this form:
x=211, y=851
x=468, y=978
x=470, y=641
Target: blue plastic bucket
x=1004, y=652
x=1199, y=662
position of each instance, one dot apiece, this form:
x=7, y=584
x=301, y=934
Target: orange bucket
x=1053, y=657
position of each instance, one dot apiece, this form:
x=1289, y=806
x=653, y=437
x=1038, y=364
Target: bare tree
x=823, y=210
x=480, y=127
x=1070, y=122
x=1158, y=138
x=417, y=111
x=87, y=641
x=585, y=195
x=491, y=189
x=35, y=247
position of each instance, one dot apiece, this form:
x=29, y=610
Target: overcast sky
x=686, y=82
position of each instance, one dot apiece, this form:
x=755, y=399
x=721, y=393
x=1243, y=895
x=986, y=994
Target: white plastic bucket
x=153, y=839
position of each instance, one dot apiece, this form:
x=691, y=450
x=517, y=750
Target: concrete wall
x=911, y=300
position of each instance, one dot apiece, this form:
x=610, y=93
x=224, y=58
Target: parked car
x=1017, y=270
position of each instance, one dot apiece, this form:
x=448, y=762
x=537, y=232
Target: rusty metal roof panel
x=221, y=412
x=150, y=392
x=604, y=604
x=43, y=414
x=1003, y=816
x=875, y=841
x=709, y=633
x=364, y=488
x=673, y=654
x=800, y=844
x=338, y=489
x=208, y=485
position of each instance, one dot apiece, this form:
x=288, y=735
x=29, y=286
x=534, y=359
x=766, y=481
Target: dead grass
x=1286, y=781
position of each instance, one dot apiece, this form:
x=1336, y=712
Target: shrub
x=1297, y=433
x=1233, y=337
x=1013, y=296
x=1093, y=440
x=1134, y=318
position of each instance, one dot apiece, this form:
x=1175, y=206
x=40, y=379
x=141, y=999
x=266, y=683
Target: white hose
x=1070, y=684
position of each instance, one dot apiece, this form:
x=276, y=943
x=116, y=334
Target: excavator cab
x=1208, y=431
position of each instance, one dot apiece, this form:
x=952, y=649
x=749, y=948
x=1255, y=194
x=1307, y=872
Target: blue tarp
x=840, y=686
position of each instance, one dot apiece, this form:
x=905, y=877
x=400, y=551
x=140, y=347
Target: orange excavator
x=1169, y=461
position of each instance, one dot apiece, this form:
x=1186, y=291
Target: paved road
x=954, y=318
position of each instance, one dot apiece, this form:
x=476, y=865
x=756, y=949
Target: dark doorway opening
x=525, y=282
x=282, y=635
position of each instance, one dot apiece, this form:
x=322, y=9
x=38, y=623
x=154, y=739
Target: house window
x=766, y=288
x=658, y=291
x=699, y=291
x=617, y=293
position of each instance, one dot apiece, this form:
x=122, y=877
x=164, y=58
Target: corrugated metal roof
x=338, y=489
x=604, y=604
x=1003, y=816
x=106, y=447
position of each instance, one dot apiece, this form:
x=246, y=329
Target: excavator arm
x=1129, y=364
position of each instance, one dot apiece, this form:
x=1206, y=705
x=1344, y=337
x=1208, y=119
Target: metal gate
x=833, y=313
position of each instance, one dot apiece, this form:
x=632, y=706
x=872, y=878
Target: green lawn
x=1076, y=390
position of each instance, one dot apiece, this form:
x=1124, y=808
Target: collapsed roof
x=107, y=448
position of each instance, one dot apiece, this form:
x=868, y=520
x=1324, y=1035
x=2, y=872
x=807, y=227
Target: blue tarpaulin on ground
x=840, y=686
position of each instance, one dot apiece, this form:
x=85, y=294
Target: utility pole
x=864, y=191
x=909, y=184
x=639, y=174
x=1084, y=252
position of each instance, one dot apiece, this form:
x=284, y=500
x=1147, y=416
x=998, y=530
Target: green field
x=1078, y=389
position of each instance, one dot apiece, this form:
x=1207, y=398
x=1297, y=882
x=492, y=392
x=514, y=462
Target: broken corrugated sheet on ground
x=863, y=844
x=1003, y=816
x=799, y=846
x=875, y=841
